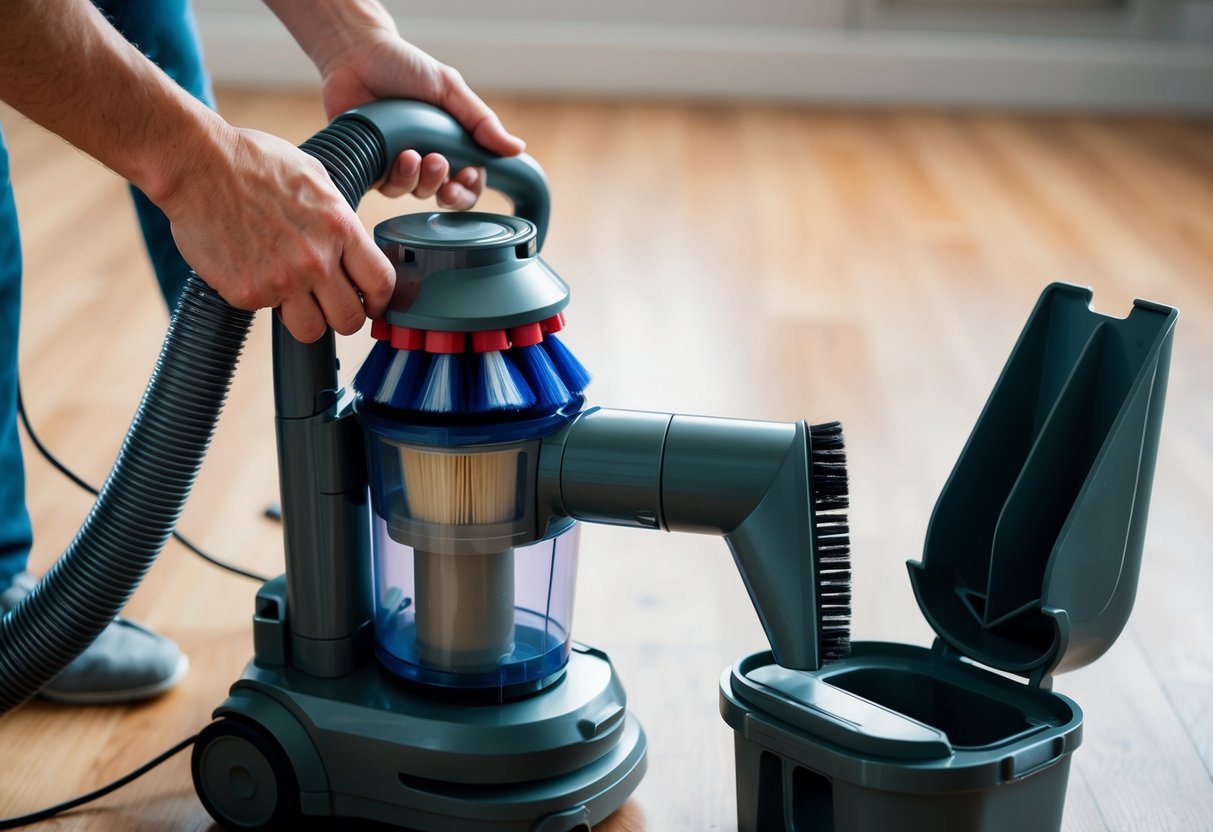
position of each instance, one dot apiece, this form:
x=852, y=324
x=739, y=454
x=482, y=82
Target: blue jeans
x=164, y=30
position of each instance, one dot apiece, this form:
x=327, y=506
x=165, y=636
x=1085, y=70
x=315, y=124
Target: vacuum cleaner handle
x=404, y=125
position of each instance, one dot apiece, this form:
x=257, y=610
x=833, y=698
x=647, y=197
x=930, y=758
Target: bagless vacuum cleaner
x=415, y=664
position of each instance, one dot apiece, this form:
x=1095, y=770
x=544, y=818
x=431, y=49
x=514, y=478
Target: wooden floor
x=753, y=261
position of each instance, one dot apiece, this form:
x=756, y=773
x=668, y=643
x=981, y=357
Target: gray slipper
x=126, y=663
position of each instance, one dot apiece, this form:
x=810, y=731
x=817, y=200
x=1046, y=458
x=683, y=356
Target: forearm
x=361, y=58
x=64, y=66
x=328, y=28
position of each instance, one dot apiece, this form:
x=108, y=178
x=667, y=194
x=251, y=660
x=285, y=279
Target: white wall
x=1139, y=54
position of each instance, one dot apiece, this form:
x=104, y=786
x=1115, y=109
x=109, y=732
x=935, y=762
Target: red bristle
x=553, y=324
x=491, y=340
x=445, y=342
x=381, y=330
x=407, y=338
x=526, y=335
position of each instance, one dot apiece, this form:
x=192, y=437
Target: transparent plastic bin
x=470, y=593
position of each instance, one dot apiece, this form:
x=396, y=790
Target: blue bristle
x=496, y=385
x=445, y=385
x=550, y=391
x=403, y=381
x=370, y=375
x=571, y=371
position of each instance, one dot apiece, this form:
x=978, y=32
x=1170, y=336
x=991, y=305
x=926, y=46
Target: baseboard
x=761, y=63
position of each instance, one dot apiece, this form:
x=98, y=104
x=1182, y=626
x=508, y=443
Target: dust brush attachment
x=495, y=383
x=572, y=372
x=402, y=383
x=445, y=386
x=545, y=382
x=444, y=390
x=550, y=392
x=832, y=535
x=524, y=369
x=393, y=371
x=369, y=377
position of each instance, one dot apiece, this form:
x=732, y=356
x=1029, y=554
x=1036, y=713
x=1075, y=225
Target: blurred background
x=1134, y=54
x=782, y=210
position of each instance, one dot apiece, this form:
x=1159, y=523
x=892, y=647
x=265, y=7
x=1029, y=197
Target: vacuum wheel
x=244, y=779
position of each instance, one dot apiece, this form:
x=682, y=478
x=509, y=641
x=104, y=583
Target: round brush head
x=476, y=310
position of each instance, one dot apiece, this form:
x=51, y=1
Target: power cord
x=71, y=475
x=51, y=811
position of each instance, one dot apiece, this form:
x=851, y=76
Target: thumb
x=458, y=99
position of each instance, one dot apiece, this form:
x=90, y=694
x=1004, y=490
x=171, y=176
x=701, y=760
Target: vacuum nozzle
x=774, y=491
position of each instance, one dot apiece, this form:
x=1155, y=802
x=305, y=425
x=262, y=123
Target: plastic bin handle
x=837, y=715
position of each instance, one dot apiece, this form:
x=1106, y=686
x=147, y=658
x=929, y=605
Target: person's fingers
x=471, y=178
x=462, y=190
x=340, y=304
x=490, y=133
x=371, y=272
x=434, y=171
x=458, y=99
x=403, y=177
x=302, y=317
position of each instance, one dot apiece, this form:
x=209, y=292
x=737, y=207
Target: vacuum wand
x=774, y=491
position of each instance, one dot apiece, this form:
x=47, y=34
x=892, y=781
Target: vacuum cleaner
x=415, y=664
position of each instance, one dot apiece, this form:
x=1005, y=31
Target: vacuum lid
x=467, y=272
x=468, y=231
x=1034, y=548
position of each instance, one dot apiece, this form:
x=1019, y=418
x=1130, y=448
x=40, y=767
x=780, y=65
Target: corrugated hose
x=156, y=467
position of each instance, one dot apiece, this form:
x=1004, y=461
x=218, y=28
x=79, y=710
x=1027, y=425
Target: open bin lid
x=1034, y=547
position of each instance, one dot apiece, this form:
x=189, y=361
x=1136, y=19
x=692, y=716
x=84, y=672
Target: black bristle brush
x=828, y=459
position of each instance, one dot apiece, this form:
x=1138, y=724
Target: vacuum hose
x=147, y=487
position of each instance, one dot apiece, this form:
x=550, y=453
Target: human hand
x=368, y=61
x=261, y=222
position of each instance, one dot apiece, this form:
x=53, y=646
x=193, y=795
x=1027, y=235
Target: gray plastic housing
x=366, y=746
x=326, y=520
x=468, y=272
x=748, y=481
x=1034, y=549
x=896, y=737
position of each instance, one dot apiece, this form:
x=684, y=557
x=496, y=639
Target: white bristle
x=438, y=396
x=392, y=377
x=501, y=390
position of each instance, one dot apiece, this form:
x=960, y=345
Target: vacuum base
x=286, y=745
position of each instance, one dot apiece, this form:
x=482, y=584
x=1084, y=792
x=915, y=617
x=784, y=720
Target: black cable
x=71, y=475
x=51, y=811
x=214, y=561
